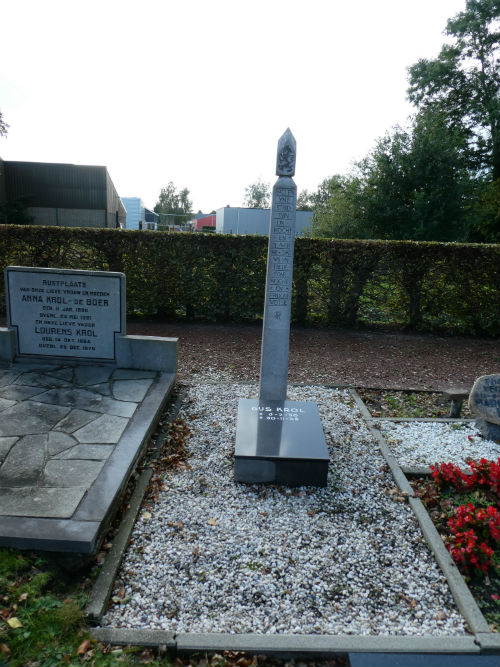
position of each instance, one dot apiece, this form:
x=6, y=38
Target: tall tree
x=258, y=195
x=174, y=208
x=304, y=201
x=463, y=82
x=412, y=185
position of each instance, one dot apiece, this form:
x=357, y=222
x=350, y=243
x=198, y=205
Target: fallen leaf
x=4, y=649
x=84, y=647
x=23, y=597
x=146, y=515
x=212, y=522
x=14, y=622
x=176, y=524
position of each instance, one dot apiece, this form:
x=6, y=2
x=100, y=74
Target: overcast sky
x=198, y=92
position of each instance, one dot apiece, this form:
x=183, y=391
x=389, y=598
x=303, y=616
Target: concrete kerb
x=483, y=642
x=461, y=593
x=103, y=586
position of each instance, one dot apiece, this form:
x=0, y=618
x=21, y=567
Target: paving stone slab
x=90, y=452
x=67, y=473
x=102, y=388
x=35, y=379
x=86, y=375
x=31, y=417
x=131, y=390
x=106, y=429
x=5, y=445
x=20, y=393
x=43, y=502
x=75, y=419
x=24, y=463
x=62, y=373
x=8, y=377
x=73, y=462
x=58, y=442
x=6, y=403
x=89, y=400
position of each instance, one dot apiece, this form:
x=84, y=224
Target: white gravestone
x=65, y=313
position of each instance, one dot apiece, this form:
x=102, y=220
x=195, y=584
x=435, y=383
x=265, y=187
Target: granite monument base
x=280, y=442
x=488, y=430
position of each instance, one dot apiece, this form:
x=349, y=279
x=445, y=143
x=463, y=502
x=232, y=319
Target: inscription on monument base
x=280, y=442
x=65, y=313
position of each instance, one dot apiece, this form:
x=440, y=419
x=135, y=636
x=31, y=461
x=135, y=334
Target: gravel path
x=214, y=556
x=417, y=443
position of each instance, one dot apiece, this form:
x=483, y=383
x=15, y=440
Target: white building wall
x=231, y=220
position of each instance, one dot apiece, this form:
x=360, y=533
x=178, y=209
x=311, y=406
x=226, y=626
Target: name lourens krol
x=65, y=313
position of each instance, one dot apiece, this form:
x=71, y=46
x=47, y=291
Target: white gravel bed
x=424, y=443
x=215, y=556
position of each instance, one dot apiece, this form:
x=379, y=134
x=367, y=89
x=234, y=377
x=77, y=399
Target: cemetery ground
x=43, y=596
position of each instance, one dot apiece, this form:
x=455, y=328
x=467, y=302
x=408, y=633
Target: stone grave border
x=84, y=530
x=479, y=646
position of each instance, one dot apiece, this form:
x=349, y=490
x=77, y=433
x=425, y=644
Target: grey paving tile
x=62, y=373
x=131, y=374
x=105, y=429
x=87, y=375
x=8, y=377
x=6, y=403
x=17, y=392
x=30, y=417
x=68, y=473
x=43, y=502
x=58, y=442
x=75, y=420
x=89, y=400
x=103, y=388
x=87, y=451
x=33, y=379
x=5, y=445
x=24, y=462
x=131, y=390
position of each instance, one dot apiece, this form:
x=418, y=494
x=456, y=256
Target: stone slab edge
x=48, y=534
x=82, y=533
x=104, y=493
x=439, y=420
x=103, y=586
x=286, y=646
x=461, y=593
x=101, y=591
x=397, y=473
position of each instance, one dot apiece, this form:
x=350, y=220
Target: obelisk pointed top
x=287, y=151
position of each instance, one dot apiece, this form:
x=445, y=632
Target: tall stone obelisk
x=277, y=440
x=278, y=298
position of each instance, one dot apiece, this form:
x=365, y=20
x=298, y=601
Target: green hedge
x=422, y=286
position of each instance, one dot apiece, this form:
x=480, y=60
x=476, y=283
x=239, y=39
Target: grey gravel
x=417, y=443
x=215, y=556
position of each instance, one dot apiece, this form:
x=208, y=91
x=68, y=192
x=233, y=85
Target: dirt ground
x=360, y=358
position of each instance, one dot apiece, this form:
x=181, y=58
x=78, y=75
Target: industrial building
x=66, y=195
x=231, y=220
x=138, y=216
